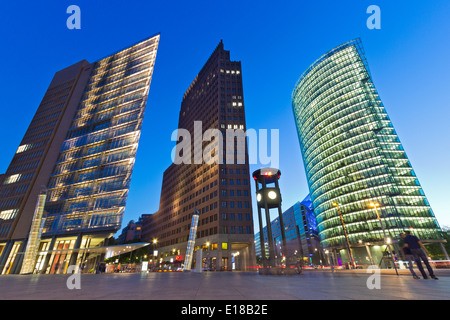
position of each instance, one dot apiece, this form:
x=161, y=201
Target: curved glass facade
x=353, y=156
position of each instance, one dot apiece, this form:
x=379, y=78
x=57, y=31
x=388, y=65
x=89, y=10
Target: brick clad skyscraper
x=219, y=191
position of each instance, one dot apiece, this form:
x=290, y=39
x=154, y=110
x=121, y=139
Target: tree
x=435, y=248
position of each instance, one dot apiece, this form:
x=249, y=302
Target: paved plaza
x=317, y=285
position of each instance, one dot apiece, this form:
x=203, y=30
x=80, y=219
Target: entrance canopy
x=109, y=251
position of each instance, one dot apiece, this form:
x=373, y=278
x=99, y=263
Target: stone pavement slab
x=310, y=285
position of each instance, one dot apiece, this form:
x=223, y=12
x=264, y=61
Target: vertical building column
x=219, y=258
x=251, y=254
x=335, y=258
x=76, y=247
x=48, y=255
x=299, y=238
x=103, y=254
x=369, y=253
x=245, y=259
x=17, y=264
x=444, y=251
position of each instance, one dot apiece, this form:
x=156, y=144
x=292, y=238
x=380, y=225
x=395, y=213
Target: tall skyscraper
x=79, y=150
x=354, y=161
x=219, y=191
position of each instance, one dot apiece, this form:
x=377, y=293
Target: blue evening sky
x=275, y=40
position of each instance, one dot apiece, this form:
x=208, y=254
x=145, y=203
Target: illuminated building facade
x=219, y=191
x=132, y=232
x=354, y=161
x=81, y=145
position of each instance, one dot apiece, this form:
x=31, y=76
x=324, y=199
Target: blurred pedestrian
x=408, y=255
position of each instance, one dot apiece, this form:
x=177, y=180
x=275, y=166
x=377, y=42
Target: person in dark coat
x=418, y=250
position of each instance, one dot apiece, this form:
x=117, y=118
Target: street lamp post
x=352, y=261
x=375, y=205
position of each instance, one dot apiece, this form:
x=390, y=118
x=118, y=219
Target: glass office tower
x=81, y=147
x=354, y=161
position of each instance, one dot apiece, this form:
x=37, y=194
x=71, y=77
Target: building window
x=13, y=178
x=24, y=147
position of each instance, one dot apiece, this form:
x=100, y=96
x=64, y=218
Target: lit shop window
x=24, y=147
x=12, y=179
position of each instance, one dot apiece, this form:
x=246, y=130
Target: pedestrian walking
x=408, y=255
x=418, y=250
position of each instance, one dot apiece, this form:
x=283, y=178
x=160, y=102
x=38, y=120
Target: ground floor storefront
x=56, y=255
x=215, y=253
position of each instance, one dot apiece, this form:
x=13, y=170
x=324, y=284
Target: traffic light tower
x=268, y=196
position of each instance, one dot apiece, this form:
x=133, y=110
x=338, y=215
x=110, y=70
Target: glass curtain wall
x=88, y=188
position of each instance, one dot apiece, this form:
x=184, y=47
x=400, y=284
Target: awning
x=109, y=251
